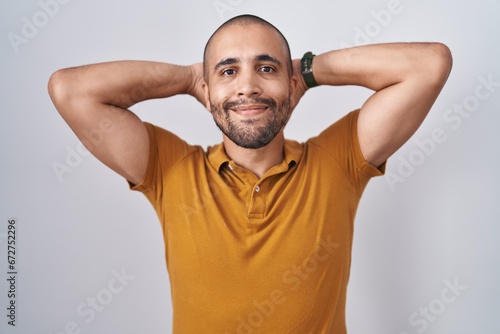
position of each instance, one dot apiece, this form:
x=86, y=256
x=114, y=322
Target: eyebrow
x=262, y=57
x=268, y=58
x=227, y=61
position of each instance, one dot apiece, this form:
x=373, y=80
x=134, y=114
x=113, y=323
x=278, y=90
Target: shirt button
x=257, y=189
x=230, y=167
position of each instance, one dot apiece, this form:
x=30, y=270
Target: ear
x=207, y=96
x=294, y=82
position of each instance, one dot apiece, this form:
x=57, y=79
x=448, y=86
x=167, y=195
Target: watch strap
x=306, y=68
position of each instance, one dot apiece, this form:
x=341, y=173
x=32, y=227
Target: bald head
x=243, y=21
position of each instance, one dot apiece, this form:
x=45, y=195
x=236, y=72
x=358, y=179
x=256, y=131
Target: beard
x=248, y=133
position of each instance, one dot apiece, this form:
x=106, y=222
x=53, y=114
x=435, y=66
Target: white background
x=438, y=222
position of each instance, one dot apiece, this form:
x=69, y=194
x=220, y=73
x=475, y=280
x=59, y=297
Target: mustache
x=270, y=103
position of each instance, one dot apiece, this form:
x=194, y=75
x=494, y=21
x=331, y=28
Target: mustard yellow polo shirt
x=248, y=255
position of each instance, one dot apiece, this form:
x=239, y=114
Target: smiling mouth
x=250, y=110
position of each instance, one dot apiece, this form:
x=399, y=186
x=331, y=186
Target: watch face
x=306, y=64
x=306, y=67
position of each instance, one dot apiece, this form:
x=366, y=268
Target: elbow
x=56, y=87
x=63, y=90
x=441, y=63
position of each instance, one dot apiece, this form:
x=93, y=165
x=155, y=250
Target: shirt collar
x=217, y=155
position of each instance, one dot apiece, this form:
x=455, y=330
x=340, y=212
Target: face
x=248, y=86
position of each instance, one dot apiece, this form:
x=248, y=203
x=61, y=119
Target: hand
x=301, y=87
x=197, y=81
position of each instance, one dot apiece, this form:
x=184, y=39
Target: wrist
x=195, y=82
x=306, y=68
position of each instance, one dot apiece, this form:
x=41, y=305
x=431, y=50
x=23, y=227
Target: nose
x=248, y=84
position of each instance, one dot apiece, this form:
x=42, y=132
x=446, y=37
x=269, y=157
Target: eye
x=267, y=69
x=228, y=72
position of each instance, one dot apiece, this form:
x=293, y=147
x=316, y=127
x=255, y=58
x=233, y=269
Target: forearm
x=121, y=83
x=379, y=66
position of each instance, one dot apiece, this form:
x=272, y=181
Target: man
x=258, y=230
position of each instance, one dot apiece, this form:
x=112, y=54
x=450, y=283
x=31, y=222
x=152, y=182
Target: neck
x=259, y=160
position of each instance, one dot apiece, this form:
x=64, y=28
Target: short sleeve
x=340, y=142
x=165, y=151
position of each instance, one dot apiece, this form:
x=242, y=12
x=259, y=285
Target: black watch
x=306, y=68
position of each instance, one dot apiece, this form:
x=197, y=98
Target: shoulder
x=341, y=135
x=166, y=141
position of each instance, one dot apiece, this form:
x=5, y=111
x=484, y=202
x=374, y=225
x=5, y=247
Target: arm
x=406, y=78
x=93, y=100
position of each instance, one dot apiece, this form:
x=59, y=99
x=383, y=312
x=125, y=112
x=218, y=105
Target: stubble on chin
x=247, y=133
